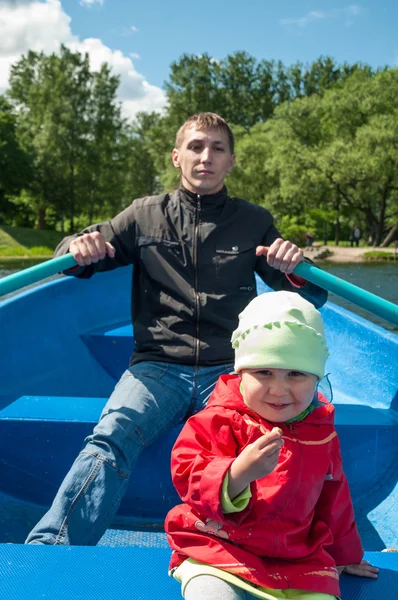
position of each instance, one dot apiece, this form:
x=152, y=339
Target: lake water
x=379, y=278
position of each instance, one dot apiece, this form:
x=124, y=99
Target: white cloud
x=353, y=10
x=303, y=21
x=129, y=30
x=32, y=25
x=43, y=26
x=90, y=3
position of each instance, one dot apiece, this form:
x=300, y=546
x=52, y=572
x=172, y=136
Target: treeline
x=317, y=144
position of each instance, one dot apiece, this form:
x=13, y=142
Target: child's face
x=277, y=394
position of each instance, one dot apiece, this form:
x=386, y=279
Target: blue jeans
x=149, y=399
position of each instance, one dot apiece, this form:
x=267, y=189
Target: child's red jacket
x=299, y=523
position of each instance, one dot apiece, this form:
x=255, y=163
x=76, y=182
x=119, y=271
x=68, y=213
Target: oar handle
x=18, y=280
x=374, y=304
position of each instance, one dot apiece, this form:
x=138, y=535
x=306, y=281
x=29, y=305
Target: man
x=355, y=236
x=195, y=253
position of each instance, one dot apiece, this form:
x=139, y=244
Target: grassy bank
x=18, y=242
x=379, y=255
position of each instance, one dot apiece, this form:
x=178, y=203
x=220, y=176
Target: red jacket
x=299, y=523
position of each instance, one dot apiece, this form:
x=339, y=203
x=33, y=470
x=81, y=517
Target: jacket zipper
x=195, y=263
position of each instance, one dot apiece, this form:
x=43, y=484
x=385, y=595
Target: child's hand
x=364, y=569
x=256, y=461
x=260, y=458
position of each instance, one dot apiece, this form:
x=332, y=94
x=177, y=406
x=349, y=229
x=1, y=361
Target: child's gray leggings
x=208, y=587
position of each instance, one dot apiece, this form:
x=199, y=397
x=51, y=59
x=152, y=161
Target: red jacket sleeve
x=201, y=457
x=335, y=508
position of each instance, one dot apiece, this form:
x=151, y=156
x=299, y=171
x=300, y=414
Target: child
x=267, y=512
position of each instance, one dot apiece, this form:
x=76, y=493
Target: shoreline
x=25, y=257
x=347, y=254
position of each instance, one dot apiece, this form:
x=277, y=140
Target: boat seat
x=122, y=573
x=66, y=408
x=111, y=347
x=47, y=426
x=359, y=428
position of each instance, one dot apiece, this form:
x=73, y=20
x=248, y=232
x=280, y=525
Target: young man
x=195, y=253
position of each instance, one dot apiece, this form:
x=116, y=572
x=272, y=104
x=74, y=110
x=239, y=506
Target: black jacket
x=194, y=271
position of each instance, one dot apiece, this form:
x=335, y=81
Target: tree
x=15, y=167
x=192, y=87
x=237, y=87
x=327, y=156
x=69, y=120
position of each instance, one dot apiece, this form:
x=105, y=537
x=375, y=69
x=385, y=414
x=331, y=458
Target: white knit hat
x=280, y=330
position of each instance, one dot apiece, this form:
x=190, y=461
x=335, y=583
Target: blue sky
x=140, y=40
x=289, y=30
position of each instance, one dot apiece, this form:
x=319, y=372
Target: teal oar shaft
x=33, y=274
x=374, y=304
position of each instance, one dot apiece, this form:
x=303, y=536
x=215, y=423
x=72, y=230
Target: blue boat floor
x=377, y=524
x=138, y=538
x=89, y=573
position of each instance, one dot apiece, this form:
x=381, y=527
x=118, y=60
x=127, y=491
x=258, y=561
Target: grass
x=379, y=255
x=21, y=242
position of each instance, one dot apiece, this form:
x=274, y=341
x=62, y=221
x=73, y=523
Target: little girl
x=267, y=510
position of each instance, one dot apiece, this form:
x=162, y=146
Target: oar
x=374, y=304
x=18, y=280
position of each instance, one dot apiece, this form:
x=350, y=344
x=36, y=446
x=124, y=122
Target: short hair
x=206, y=120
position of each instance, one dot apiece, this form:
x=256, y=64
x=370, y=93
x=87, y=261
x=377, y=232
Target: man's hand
x=90, y=248
x=282, y=255
x=364, y=569
x=255, y=461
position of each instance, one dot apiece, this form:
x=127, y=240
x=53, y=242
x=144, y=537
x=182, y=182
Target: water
x=13, y=265
x=379, y=278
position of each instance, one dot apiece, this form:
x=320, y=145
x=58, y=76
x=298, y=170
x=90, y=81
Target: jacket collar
x=208, y=202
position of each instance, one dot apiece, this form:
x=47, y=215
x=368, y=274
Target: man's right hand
x=255, y=461
x=90, y=248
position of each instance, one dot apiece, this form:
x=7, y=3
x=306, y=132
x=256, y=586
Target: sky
x=141, y=39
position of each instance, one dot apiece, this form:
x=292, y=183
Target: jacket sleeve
x=120, y=232
x=200, y=460
x=279, y=281
x=335, y=508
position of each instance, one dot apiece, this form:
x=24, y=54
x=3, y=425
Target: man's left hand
x=282, y=255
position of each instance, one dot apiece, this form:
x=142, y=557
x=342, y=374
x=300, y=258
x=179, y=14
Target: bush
x=22, y=251
x=41, y=251
x=14, y=251
x=292, y=231
x=379, y=255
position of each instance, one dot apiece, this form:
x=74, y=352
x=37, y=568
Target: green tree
x=238, y=88
x=70, y=122
x=330, y=156
x=15, y=167
x=192, y=87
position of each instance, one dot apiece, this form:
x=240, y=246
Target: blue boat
x=64, y=344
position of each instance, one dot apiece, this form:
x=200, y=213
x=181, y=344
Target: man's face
x=204, y=159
